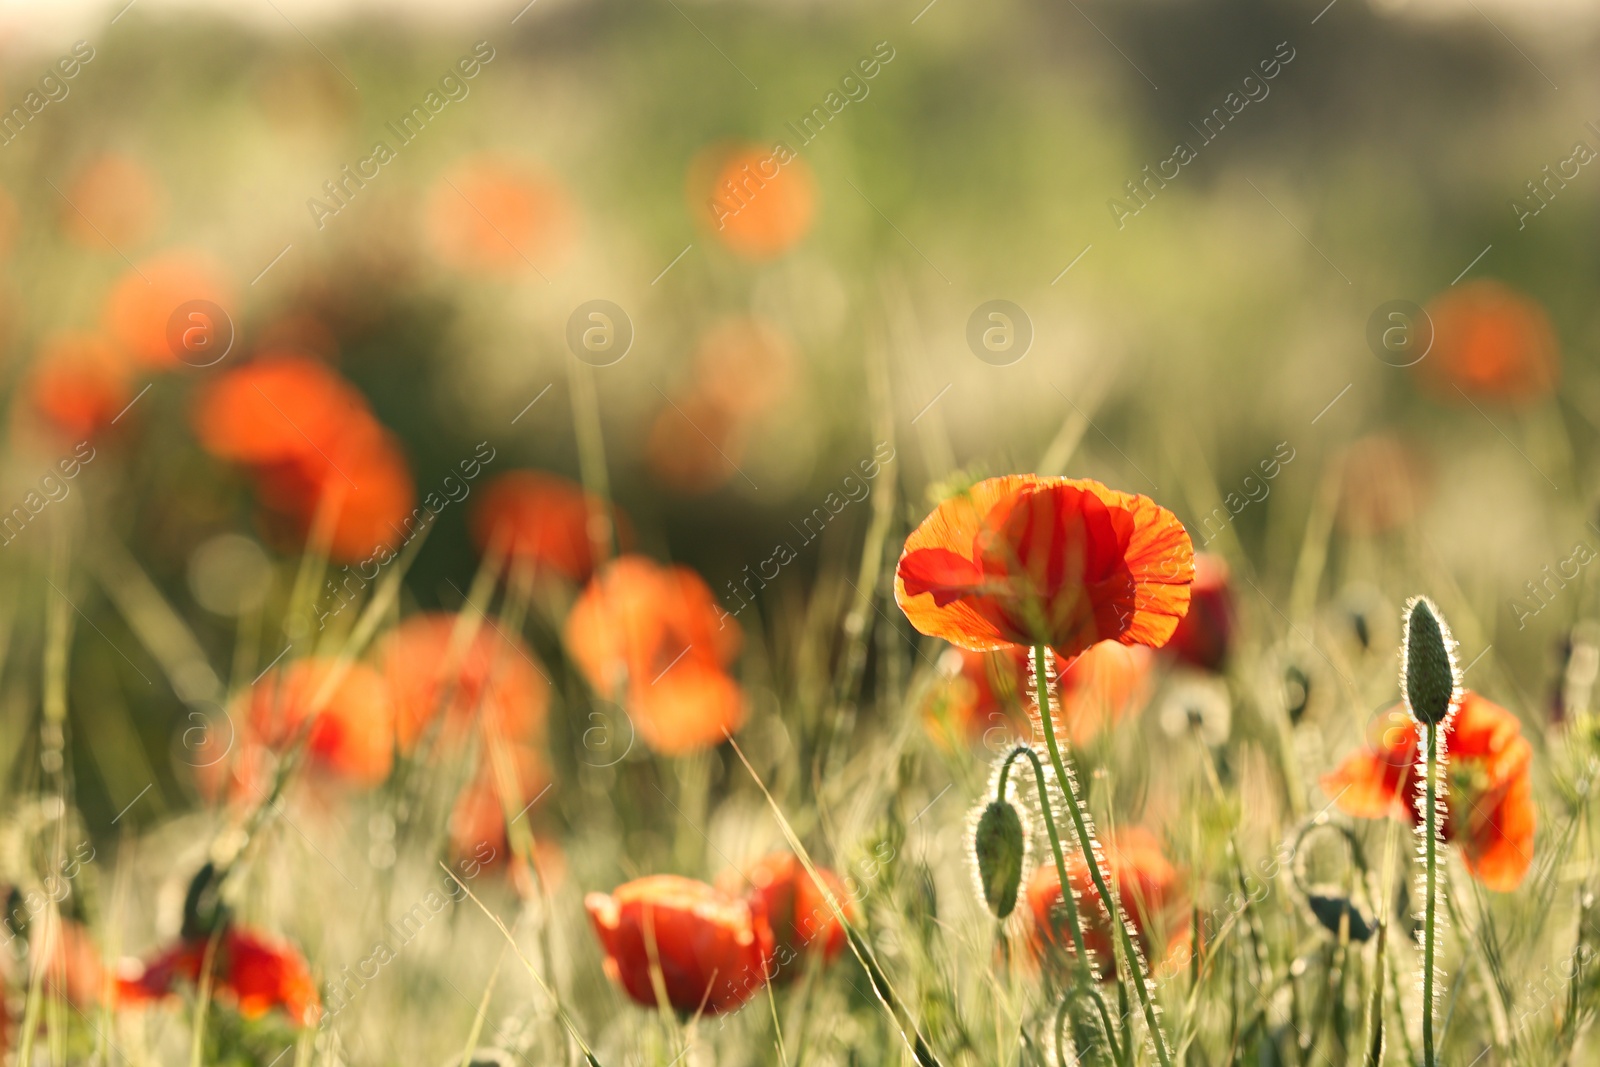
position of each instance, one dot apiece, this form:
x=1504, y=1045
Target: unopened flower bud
x=1428, y=679
x=998, y=844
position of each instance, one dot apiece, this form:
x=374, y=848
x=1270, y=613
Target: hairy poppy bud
x=1335, y=911
x=998, y=844
x=1428, y=679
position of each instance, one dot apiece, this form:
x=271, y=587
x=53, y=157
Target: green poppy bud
x=1428, y=680
x=998, y=844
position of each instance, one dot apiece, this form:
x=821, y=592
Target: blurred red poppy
x=311, y=442
x=352, y=733
x=1024, y=560
x=258, y=973
x=1492, y=343
x=1098, y=688
x=653, y=638
x=1205, y=634
x=984, y=696
x=65, y=954
x=743, y=365
x=756, y=203
x=495, y=215
x=1384, y=484
x=713, y=951
x=490, y=679
x=796, y=910
x=695, y=444
x=141, y=304
x=1152, y=895
x=543, y=520
x=1490, y=811
x=113, y=201
x=78, y=384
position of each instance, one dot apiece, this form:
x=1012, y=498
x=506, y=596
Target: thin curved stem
x=1073, y=922
x=1105, y=1021
x=1112, y=905
x=1432, y=861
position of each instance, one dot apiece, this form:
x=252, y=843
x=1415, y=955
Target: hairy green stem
x=1113, y=907
x=1432, y=860
x=1073, y=921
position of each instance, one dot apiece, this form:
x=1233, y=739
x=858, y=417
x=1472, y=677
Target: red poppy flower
x=275, y=410
x=311, y=442
x=695, y=444
x=1098, y=688
x=1152, y=895
x=802, y=924
x=743, y=365
x=352, y=735
x=1204, y=634
x=69, y=959
x=480, y=839
x=1490, y=811
x=258, y=973
x=115, y=202
x=758, y=205
x=141, y=304
x=653, y=638
x=994, y=697
x=493, y=215
x=713, y=949
x=1024, y=560
x=1384, y=484
x=1492, y=343
x=985, y=696
x=543, y=520
x=491, y=679
x=78, y=384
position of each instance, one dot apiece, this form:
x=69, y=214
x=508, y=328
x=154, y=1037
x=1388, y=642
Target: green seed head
x=1429, y=681
x=998, y=844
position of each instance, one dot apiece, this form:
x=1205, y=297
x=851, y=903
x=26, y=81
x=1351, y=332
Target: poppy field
x=717, y=534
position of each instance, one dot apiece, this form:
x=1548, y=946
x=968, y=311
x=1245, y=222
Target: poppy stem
x=1432, y=865
x=1073, y=922
x=1069, y=786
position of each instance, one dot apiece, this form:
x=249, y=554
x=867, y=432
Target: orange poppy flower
x=653, y=637
x=713, y=949
x=985, y=696
x=1097, y=689
x=1384, y=484
x=695, y=444
x=115, y=202
x=352, y=735
x=1490, y=811
x=1204, y=634
x=802, y=924
x=758, y=206
x=78, y=384
x=1152, y=895
x=1024, y=560
x=1492, y=343
x=993, y=695
x=69, y=959
x=490, y=679
x=743, y=365
x=309, y=438
x=494, y=215
x=142, y=303
x=258, y=973
x=480, y=839
x=275, y=410
x=543, y=520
